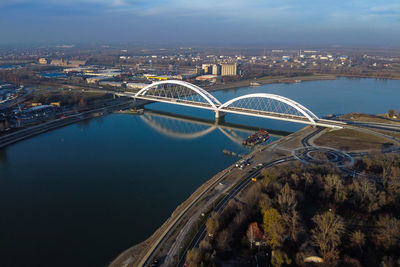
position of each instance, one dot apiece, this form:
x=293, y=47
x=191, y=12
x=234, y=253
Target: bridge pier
x=219, y=116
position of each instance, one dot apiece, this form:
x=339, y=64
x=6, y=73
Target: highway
x=151, y=252
x=222, y=204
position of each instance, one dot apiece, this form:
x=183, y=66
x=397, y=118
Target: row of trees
x=311, y=214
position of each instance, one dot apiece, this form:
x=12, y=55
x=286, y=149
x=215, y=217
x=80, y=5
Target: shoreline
x=133, y=256
x=288, y=80
x=34, y=130
x=269, y=80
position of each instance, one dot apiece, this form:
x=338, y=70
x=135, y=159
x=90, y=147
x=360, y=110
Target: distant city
x=69, y=67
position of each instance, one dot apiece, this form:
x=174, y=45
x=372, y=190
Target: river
x=80, y=195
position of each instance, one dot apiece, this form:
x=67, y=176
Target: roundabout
x=322, y=155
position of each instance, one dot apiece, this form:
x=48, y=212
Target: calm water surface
x=79, y=195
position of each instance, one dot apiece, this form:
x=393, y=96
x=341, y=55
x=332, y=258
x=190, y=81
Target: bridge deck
x=236, y=110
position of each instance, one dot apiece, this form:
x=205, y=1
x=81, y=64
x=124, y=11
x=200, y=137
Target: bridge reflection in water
x=188, y=127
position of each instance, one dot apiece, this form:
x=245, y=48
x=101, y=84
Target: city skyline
x=348, y=23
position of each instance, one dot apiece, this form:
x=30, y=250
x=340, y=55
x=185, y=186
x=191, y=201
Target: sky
x=202, y=22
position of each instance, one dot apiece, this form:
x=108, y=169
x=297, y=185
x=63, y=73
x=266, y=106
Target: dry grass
x=348, y=139
x=368, y=118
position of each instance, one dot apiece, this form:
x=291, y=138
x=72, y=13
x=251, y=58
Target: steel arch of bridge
x=303, y=110
x=206, y=95
x=303, y=115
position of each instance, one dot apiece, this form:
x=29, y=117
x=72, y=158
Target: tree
x=279, y=258
x=365, y=193
x=264, y=203
x=327, y=234
x=270, y=174
x=333, y=186
x=287, y=199
x=388, y=261
x=357, y=239
x=292, y=223
x=224, y=240
x=273, y=228
x=388, y=234
x=308, y=180
x=193, y=257
x=212, y=224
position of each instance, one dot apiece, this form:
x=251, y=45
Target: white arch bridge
x=257, y=105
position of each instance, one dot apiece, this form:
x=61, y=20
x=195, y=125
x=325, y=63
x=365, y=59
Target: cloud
x=251, y=19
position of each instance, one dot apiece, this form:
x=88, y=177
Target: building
x=58, y=62
x=43, y=61
x=110, y=84
x=136, y=85
x=216, y=69
x=229, y=69
x=207, y=68
x=210, y=78
x=67, y=63
x=76, y=63
x=95, y=79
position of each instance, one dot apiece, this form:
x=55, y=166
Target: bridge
x=261, y=105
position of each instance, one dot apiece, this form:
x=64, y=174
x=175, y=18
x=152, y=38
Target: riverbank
x=269, y=80
x=286, y=79
x=170, y=237
x=169, y=242
x=30, y=131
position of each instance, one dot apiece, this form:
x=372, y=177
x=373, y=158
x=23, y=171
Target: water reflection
x=3, y=156
x=189, y=127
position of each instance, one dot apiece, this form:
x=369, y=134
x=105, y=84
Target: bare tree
x=357, y=239
x=327, y=234
x=264, y=203
x=287, y=199
x=365, y=192
x=388, y=234
x=292, y=223
x=251, y=235
x=308, y=180
x=223, y=240
x=333, y=186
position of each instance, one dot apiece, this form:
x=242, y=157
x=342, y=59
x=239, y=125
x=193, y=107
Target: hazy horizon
x=285, y=23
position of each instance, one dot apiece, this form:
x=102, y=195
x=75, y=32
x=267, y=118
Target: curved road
x=221, y=205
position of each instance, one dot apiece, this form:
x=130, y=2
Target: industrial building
x=217, y=69
x=229, y=69
x=67, y=63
